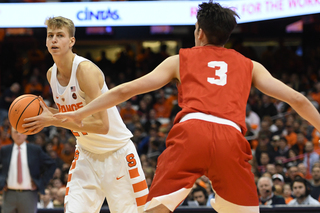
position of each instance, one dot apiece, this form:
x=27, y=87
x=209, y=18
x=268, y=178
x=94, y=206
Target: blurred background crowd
x=283, y=144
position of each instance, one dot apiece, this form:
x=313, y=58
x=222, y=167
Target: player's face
x=58, y=40
x=196, y=35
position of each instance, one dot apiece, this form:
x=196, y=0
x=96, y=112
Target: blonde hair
x=60, y=22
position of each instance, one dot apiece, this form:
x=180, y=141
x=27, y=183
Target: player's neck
x=64, y=63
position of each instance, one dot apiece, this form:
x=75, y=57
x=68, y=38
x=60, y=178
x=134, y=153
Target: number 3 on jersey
x=220, y=73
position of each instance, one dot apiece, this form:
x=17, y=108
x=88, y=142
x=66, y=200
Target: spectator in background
x=303, y=170
x=210, y=192
x=265, y=127
x=33, y=86
x=283, y=149
x=152, y=121
x=54, y=194
x=162, y=108
x=127, y=112
x=300, y=143
x=104, y=63
x=315, y=182
x=287, y=193
x=172, y=100
x=200, y=195
x=267, y=197
x=264, y=146
x=264, y=161
x=67, y=154
x=277, y=179
x=5, y=133
x=145, y=144
x=267, y=108
x=143, y=111
x=301, y=191
x=64, y=134
x=59, y=201
x=45, y=201
x=57, y=145
x=274, y=143
x=280, y=169
x=253, y=120
x=292, y=172
x=40, y=140
x=271, y=168
x=290, y=135
x=310, y=157
x=277, y=127
x=7, y=98
x=278, y=190
x=293, y=158
x=35, y=55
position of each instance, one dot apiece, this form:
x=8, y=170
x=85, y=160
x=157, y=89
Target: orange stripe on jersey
x=69, y=177
x=137, y=187
x=67, y=191
x=84, y=133
x=73, y=165
x=134, y=173
x=141, y=200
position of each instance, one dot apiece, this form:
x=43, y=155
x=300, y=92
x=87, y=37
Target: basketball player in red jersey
x=208, y=133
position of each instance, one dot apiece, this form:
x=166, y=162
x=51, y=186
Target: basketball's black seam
x=39, y=108
x=15, y=104
x=24, y=110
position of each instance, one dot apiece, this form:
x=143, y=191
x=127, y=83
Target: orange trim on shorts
x=137, y=187
x=76, y=156
x=69, y=177
x=134, y=173
x=141, y=200
x=67, y=191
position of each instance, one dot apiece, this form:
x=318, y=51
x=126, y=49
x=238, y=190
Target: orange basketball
x=24, y=106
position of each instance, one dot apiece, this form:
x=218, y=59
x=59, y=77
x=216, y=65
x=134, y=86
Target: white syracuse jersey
x=71, y=98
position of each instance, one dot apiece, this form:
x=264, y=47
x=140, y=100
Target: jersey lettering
x=220, y=72
x=69, y=107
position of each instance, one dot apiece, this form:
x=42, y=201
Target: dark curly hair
x=216, y=22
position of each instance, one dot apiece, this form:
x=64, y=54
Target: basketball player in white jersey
x=106, y=164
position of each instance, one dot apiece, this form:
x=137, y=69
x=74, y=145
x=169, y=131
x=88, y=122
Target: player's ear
x=72, y=41
x=201, y=34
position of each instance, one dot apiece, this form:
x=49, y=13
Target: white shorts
x=117, y=176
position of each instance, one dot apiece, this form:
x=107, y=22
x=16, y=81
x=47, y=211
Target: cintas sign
x=87, y=14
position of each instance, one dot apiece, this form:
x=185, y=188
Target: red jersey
x=214, y=81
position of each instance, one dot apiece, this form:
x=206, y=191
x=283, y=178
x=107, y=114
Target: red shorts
x=196, y=148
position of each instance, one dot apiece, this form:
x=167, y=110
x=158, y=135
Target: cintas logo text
x=87, y=14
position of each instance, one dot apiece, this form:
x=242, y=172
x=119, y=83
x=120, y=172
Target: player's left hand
x=69, y=117
x=36, y=123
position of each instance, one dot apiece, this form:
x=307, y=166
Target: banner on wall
x=145, y=13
